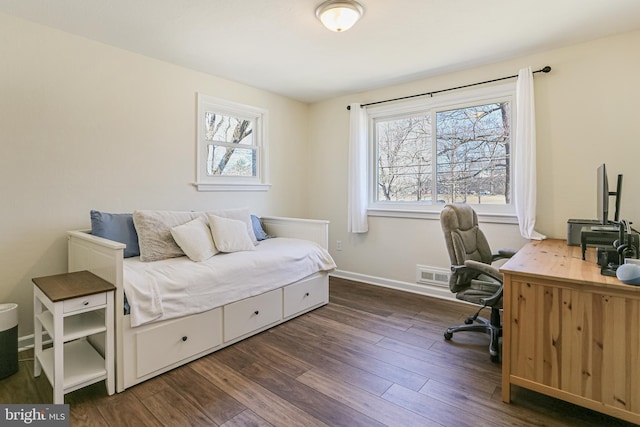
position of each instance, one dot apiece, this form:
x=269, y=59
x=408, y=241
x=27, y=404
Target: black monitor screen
x=603, y=195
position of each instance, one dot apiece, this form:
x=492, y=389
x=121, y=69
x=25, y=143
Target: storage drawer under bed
x=251, y=314
x=303, y=295
x=177, y=340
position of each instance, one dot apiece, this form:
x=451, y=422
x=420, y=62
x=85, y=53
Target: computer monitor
x=603, y=195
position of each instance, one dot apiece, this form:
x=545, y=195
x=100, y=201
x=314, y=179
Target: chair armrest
x=487, y=269
x=490, y=271
x=503, y=253
x=493, y=299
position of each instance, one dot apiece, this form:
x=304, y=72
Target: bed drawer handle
x=184, y=338
x=256, y=312
x=85, y=303
x=306, y=295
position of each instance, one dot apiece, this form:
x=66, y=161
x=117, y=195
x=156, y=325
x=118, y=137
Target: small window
x=231, y=146
x=455, y=148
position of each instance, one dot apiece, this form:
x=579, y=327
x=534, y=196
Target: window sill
x=498, y=218
x=207, y=186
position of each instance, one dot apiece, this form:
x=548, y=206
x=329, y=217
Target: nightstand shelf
x=83, y=365
x=76, y=310
x=75, y=327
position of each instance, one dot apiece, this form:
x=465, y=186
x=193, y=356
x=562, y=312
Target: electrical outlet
x=338, y=245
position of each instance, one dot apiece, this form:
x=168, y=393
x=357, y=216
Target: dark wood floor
x=372, y=357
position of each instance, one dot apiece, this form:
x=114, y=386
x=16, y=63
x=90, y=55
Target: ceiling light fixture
x=339, y=15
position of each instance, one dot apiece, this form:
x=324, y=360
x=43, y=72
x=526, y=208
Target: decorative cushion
x=116, y=227
x=194, y=238
x=241, y=214
x=230, y=235
x=258, y=230
x=154, y=233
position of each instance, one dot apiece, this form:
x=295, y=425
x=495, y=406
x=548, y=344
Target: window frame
x=259, y=118
x=497, y=93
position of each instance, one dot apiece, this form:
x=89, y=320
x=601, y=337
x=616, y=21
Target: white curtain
x=357, y=204
x=525, y=156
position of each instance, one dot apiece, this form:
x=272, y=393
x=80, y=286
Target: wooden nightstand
x=76, y=310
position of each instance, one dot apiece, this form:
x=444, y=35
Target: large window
x=231, y=146
x=454, y=148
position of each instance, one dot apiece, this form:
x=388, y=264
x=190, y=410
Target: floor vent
x=427, y=275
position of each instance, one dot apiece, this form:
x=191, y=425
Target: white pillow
x=195, y=239
x=241, y=214
x=230, y=235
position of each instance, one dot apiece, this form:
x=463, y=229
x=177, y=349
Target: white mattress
x=178, y=286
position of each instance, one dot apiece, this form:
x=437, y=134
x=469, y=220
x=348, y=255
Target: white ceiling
x=280, y=46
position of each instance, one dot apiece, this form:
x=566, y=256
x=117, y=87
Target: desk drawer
x=301, y=296
x=83, y=303
x=172, y=342
x=251, y=314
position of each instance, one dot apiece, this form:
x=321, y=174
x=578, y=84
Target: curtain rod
x=542, y=70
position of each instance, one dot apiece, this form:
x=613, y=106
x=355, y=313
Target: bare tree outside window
x=473, y=163
x=226, y=155
x=469, y=160
x=404, y=159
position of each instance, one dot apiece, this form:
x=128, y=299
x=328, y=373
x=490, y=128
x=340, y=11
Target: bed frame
x=148, y=350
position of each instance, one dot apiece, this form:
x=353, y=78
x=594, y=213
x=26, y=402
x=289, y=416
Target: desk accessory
x=610, y=257
x=629, y=274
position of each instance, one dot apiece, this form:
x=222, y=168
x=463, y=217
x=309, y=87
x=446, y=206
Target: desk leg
x=506, y=391
x=506, y=339
x=506, y=385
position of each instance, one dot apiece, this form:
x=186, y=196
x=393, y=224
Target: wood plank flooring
x=371, y=357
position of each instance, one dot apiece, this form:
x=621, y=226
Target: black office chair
x=473, y=278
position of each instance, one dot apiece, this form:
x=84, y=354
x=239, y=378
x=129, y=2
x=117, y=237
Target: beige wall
x=87, y=126
x=587, y=113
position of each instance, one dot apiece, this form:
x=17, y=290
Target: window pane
x=404, y=159
x=231, y=161
x=473, y=147
x=222, y=128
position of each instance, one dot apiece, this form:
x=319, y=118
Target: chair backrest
x=464, y=240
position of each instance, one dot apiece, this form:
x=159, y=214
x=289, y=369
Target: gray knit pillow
x=154, y=233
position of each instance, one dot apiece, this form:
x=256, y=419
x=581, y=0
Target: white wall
x=88, y=126
x=587, y=113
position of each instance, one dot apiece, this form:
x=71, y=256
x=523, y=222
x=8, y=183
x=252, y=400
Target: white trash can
x=8, y=339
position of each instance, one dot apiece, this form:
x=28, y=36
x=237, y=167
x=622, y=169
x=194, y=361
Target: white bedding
x=178, y=286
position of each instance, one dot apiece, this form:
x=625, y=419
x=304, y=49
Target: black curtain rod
x=542, y=70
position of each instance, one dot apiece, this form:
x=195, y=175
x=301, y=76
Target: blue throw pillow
x=116, y=227
x=257, y=229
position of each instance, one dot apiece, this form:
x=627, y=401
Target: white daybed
x=150, y=349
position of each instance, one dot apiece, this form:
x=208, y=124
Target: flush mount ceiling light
x=339, y=15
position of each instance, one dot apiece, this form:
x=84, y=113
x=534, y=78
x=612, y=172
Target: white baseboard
x=428, y=290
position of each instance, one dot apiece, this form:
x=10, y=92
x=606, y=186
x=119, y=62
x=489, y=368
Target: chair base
x=492, y=327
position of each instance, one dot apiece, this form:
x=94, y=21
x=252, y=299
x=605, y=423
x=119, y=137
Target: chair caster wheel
x=495, y=359
x=448, y=335
x=468, y=321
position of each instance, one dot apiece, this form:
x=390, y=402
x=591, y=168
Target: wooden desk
x=570, y=332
